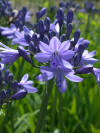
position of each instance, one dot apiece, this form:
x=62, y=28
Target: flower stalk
x=43, y=109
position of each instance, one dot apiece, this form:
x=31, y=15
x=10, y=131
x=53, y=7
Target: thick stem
x=43, y=109
x=54, y=109
x=60, y=113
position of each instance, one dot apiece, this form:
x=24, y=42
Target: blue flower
x=24, y=86
x=41, y=13
x=87, y=57
x=96, y=73
x=7, y=54
x=55, y=48
x=85, y=69
x=9, y=32
x=58, y=69
x=55, y=27
x=20, y=37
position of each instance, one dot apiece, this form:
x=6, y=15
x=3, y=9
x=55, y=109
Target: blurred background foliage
x=80, y=103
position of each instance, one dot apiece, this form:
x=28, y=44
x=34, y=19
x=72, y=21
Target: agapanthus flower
x=89, y=6
x=60, y=16
x=9, y=32
x=55, y=27
x=20, y=37
x=82, y=56
x=96, y=73
x=22, y=18
x=24, y=86
x=24, y=54
x=55, y=48
x=5, y=8
x=59, y=69
x=85, y=69
x=87, y=57
x=41, y=13
x=7, y=54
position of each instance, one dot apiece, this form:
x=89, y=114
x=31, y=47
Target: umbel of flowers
x=60, y=56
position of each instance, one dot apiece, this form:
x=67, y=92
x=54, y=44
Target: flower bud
x=27, y=38
x=76, y=36
x=40, y=27
x=19, y=95
x=41, y=13
x=67, y=5
x=60, y=16
x=83, y=46
x=62, y=4
x=24, y=54
x=77, y=59
x=46, y=40
x=85, y=69
x=69, y=30
x=35, y=39
x=70, y=16
x=47, y=24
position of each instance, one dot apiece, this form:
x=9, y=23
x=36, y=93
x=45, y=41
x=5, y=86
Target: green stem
x=54, y=109
x=20, y=68
x=43, y=109
x=60, y=113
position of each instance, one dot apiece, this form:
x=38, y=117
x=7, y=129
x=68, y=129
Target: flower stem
x=54, y=109
x=21, y=65
x=43, y=109
x=60, y=113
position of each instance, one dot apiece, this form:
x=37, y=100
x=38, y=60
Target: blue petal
x=90, y=60
x=44, y=48
x=64, y=46
x=31, y=89
x=43, y=57
x=24, y=78
x=45, y=76
x=67, y=55
x=61, y=82
x=73, y=77
x=19, y=95
x=54, y=44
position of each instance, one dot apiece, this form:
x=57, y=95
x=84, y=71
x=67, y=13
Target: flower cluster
x=19, y=18
x=61, y=56
x=17, y=90
x=5, y=8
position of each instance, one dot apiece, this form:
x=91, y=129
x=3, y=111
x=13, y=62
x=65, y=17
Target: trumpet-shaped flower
x=9, y=32
x=20, y=37
x=55, y=48
x=96, y=73
x=24, y=86
x=59, y=69
x=87, y=57
x=7, y=54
